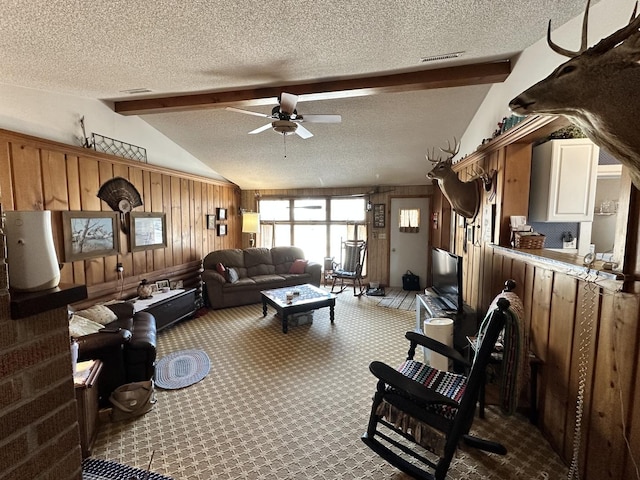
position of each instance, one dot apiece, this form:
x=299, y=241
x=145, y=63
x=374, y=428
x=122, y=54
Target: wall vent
x=444, y=56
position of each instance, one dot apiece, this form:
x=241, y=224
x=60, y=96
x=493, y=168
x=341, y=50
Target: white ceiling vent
x=444, y=56
x=133, y=91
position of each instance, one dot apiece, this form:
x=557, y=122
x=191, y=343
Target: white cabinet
x=563, y=181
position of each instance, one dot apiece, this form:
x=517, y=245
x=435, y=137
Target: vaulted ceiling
x=245, y=53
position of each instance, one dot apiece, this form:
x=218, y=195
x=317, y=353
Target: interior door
x=408, y=250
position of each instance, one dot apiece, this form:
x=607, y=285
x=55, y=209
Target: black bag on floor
x=410, y=281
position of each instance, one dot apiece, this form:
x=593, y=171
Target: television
x=446, y=278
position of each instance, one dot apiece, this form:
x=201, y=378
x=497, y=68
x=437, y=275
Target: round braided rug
x=181, y=369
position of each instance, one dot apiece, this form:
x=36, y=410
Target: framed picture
x=163, y=284
x=154, y=288
x=222, y=229
x=378, y=215
x=89, y=234
x=221, y=213
x=211, y=222
x=148, y=230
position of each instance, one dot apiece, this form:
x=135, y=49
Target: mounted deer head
x=464, y=197
x=597, y=90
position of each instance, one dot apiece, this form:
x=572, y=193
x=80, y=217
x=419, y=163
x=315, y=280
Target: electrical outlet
x=119, y=268
x=571, y=244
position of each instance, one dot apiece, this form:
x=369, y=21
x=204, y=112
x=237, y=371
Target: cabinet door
x=563, y=181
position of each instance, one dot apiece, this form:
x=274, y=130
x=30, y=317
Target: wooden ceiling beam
x=459, y=76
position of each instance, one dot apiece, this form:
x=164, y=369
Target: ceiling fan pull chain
x=284, y=139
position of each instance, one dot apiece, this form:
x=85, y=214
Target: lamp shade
x=250, y=222
x=31, y=255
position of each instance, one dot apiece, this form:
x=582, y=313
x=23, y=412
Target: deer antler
x=432, y=156
x=616, y=37
x=451, y=151
x=583, y=44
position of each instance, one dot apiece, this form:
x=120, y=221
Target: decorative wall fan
x=286, y=119
x=122, y=196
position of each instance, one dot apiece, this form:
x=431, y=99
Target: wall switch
x=571, y=244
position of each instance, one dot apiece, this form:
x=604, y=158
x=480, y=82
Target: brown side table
x=86, y=387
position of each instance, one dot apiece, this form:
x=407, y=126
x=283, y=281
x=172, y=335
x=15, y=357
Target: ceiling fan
x=374, y=191
x=286, y=119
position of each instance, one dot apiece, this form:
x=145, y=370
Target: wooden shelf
x=26, y=304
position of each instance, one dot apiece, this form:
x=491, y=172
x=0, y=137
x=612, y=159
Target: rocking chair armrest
x=436, y=346
x=398, y=381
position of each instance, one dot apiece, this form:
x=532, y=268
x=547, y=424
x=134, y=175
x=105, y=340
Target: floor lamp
x=251, y=225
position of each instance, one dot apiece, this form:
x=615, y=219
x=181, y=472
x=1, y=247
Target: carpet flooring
x=294, y=406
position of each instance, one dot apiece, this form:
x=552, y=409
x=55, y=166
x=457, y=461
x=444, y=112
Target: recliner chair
x=126, y=347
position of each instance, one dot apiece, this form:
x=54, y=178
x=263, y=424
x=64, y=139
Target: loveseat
x=126, y=345
x=235, y=277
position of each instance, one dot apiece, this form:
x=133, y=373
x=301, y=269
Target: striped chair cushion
x=448, y=384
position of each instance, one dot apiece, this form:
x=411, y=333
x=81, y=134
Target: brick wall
x=39, y=433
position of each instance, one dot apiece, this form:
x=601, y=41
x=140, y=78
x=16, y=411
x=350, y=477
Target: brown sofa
x=258, y=269
x=126, y=346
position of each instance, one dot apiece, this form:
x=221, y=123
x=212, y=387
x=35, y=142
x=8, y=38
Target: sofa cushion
x=258, y=262
x=99, y=313
x=232, y=275
x=298, y=266
x=231, y=257
x=80, y=326
x=283, y=257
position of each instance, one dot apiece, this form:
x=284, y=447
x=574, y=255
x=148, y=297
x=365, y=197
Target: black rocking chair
x=350, y=267
x=430, y=410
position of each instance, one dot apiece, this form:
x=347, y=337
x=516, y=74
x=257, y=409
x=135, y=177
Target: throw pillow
x=232, y=275
x=99, y=314
x=80, y=326
x=220, y=268
x=298, y=266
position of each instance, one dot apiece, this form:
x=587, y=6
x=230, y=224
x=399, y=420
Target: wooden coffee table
x=308, y=298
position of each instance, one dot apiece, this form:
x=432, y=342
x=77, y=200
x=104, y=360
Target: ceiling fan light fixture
x=284, y=127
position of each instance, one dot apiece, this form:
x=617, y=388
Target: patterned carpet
x=293, y=406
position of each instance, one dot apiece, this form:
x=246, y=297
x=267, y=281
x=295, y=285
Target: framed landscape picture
x=211, y=222
x=89, y=234
x=221, y=213
x=148, y=230
x=222, y=229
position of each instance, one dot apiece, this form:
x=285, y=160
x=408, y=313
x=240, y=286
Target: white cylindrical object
x=74, y=356
x=440, y=329
x=31, y=255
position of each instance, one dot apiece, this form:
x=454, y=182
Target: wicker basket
x=529, y=240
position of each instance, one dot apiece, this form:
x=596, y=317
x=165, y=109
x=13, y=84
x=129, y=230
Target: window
x=409, y=220
x=317, y=225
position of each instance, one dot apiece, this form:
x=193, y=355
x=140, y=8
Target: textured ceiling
x=101, y=48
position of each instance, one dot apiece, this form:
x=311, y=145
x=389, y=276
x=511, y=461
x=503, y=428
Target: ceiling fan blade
x=248, y=112
x=260, y=129
x=288, y=102
x=303, y=132
x=321, y=118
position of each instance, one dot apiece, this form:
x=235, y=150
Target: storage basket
x=529, y=240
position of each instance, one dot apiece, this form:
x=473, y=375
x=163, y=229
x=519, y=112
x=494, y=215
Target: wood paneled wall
x=41, y=175
x=378, y=245
x=573, y=321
